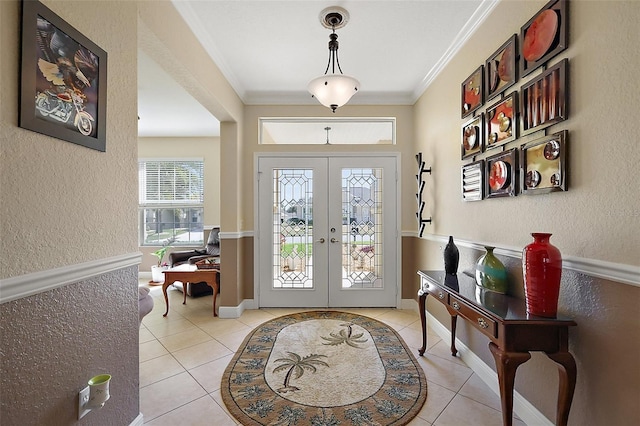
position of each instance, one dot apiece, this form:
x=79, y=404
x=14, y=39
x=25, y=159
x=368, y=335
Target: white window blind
x=171, y=182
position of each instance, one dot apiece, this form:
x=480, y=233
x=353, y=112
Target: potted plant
x=156, y=271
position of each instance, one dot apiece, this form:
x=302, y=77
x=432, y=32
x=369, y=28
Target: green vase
x=491, y=273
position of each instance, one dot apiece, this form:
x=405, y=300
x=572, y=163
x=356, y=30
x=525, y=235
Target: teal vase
x=491, y=273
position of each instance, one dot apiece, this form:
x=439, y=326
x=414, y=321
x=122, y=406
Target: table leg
x=454, y=319
x=567, y=384
x=423, y=321
x=166, y=299
x=506, y=364
x=216, y=289
x=184, y=292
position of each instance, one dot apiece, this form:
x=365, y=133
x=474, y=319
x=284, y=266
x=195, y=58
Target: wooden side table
x=191, y=274
x=513, y=333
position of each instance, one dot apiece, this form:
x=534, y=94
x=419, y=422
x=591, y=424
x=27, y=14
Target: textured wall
x=52, y=343
x=62, y=203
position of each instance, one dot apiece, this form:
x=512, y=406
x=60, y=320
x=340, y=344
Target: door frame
x=256, y=222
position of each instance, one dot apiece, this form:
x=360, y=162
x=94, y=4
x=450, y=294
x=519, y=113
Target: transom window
x=324, y=130
x=171, y=201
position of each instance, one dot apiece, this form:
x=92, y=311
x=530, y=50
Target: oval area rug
x=323, y=368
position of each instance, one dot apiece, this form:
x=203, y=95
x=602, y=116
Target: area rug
x=323, y=368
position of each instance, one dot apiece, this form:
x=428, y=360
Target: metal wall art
x=64, y=80
x=421, y=204
x=502, y=174
x=472, y=137
x=544, y=164
x=544, y=36
x=502, y=68
x=501, y=121
x=491, y=130
x=473, y=181
x=472, y=93
x=543, y=101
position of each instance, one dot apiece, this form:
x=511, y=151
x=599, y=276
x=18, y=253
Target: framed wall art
x=63, y=80
x=472, y=93
x=472, y=137
x=473, y=181
x=544, y=164
x=501, y=121
x=501, y=172
x=544, y=36
x=543, y=101
x=502, y=68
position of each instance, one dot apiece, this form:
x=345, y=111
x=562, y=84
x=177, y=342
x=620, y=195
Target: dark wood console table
x=512, y=331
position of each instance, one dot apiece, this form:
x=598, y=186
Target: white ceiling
x=270, y=50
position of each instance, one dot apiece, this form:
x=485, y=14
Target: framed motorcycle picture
x=63, y=80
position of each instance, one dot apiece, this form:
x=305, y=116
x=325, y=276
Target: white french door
x=327, y=231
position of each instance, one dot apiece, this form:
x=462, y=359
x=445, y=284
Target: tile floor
x=183, y=357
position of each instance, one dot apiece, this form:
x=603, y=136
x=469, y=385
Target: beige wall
x=58, y=194
x=63, y=205
x=596, y=219
x=174, y=148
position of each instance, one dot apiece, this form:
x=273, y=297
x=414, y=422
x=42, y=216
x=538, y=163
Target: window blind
x=169, y=182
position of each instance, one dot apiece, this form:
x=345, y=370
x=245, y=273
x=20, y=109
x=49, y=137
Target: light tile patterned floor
x=183, y=357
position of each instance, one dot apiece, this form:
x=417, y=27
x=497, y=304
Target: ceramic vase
x=451, y=257
x=491, y=273
x=541, y=270
x=157, y=273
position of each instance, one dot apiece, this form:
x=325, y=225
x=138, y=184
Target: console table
x=190, y=274
x=513, y=333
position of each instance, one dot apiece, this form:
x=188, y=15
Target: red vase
x=541, y=270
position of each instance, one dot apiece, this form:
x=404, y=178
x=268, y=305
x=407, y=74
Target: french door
x=327, y=231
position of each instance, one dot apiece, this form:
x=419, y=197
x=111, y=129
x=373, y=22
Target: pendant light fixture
x=333, y=90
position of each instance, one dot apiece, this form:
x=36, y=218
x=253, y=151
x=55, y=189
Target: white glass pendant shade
x=333, y=90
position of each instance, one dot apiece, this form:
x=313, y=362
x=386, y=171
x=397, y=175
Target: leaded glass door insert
x=362, y=227
x=293, y=228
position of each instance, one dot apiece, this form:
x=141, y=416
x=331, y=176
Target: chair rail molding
x=15, y=288
x=618, y=272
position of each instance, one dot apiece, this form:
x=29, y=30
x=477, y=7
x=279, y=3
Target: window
x=325, y=130
x=171, y=205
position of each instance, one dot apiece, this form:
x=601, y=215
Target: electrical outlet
x=83, y=400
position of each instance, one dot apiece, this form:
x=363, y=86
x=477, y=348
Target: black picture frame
x=544, y=100
x=501, y=174
x=501, y=121
x=501, y=69
x=472, y=137
x=540, y=39
x=472, y=177
x=472, y=92
x=544, y=164
x=63, y=90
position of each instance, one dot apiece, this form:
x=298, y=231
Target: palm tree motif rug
x=323, y=368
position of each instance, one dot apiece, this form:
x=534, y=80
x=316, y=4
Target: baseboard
x=236, y=311
x=138, y=421
x=521, y=407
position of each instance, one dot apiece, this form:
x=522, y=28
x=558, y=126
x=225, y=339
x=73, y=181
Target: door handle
x=321, y=240
x=333, y=240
